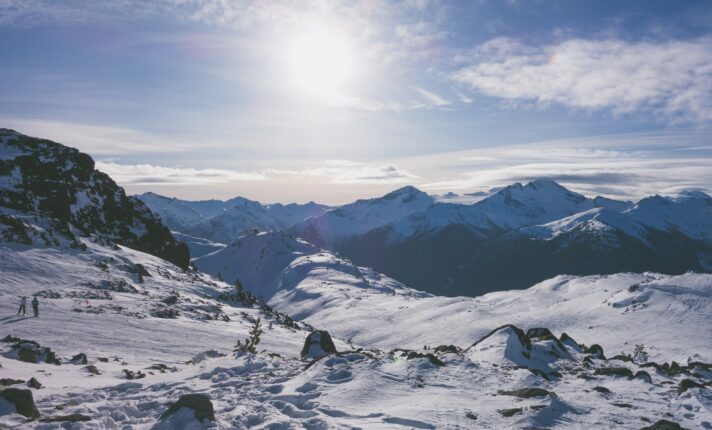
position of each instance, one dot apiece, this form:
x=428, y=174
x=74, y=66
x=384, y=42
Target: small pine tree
x=251, y=343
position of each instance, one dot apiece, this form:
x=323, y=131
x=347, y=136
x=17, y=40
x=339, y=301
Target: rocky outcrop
x=318, y=344
x=200, y=404
x=52, y=194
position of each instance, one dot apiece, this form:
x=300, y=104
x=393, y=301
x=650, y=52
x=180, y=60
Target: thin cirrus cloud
x=671, y=80
x=149, y=174
x=614, y=167
x=334, y=171
x=349, y=172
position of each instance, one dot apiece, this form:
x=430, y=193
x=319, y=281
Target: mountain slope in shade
x=524, y=234
x=51, y=194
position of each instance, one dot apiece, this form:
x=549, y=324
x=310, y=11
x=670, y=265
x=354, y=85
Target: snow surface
x=378, y=387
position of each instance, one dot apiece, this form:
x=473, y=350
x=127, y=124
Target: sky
x=294, y=101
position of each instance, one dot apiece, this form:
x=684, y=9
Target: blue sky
x=332, y=101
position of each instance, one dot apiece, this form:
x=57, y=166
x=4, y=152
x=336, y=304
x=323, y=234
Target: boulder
x=80, y=358
x=92, y=369
x=596, y=351
x=22, y=400
x=447, y=348
x=525, y=393
x=34, y=383
x=664, y=425
x=10, y=381
x=645, y=376
x=27, y=352
x=318, y=344
x=200, y=404
x=614, y=371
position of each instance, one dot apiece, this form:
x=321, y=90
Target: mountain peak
x=408, y=190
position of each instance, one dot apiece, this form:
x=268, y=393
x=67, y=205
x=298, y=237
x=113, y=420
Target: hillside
x=140, y=358
x=51, y=194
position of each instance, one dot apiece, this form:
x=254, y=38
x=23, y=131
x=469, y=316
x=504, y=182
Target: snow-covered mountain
x=223, y=221
x=362, y=216
x=51, y=194
x=523, y=234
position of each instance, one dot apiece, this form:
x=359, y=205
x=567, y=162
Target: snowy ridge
x=363, y=216
x=223, y=221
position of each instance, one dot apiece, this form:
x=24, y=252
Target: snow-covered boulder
x=318, y=344
x=200, y=404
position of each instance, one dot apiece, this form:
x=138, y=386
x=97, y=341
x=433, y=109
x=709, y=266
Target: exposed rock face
x=52, y=194
x=318, y=344
x=200, y=404
x=23, y=401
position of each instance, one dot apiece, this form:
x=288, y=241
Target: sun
x=320, y=61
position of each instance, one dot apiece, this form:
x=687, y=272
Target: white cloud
x=149, y=174
x=97, y=139
x=629, y=167
x=672, y=80
x=348, y=172
x=432, y=98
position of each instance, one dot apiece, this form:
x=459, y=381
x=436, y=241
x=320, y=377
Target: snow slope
x=392, y=384
x=368, y=308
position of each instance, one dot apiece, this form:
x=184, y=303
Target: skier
x=36, y=307
x=23, y=303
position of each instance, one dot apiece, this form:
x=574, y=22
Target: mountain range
x=510, y=238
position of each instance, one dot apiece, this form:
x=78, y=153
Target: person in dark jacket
x=23, y=304
x=36, y=307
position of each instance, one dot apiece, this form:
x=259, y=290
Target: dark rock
x=622, y=357
x=34, y=383
x=23, y=401
x=602, y=390
x=134, y=375
x=318, y=343
x=72, y=418
x=614, y=371
x=200, y=404
x=103, y=359
x=568, y=340
x=644, y=376
x=664, y=425
x=526, y=393
x=623, y=405
x=170, y=300
x=509, y=412
x=27, y=354
x=686, y=384
x=10, y=381
x=433, y=359
x=92, y=369
x=10, y=339
x=80, y=358
x=447, y=349
x=596, y=351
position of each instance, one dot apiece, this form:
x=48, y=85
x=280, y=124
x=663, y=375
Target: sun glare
x=320, y=62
